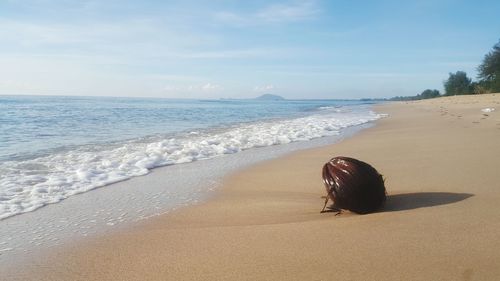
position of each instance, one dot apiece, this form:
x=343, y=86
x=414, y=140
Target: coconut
x=353, y=185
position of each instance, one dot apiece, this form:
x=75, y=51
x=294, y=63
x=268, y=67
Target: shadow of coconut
x=410, y=201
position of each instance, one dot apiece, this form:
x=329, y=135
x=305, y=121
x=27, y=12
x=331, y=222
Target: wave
x=27, y=185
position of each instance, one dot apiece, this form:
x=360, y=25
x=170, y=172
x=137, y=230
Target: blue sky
x=239, y=49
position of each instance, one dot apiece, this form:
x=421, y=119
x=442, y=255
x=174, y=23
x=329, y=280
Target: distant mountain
x=270, y=97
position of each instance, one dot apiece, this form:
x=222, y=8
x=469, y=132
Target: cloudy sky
x=238, y=49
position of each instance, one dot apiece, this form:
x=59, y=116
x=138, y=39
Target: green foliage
x=457, y=84
x=489, y=69
x=427, y=94
x=494, y=85
x=479, y=88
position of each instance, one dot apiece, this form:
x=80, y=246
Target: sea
x=55, y=147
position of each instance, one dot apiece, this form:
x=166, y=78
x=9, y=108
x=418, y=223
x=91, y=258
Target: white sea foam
x=337, y=109
x=31, y=184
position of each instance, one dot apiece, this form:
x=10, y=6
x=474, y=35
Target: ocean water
x=52, y=148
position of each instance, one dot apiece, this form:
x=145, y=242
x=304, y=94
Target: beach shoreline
x=122, y=205
x=438, y=159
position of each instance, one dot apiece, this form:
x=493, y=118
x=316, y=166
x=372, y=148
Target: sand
x=441, y=162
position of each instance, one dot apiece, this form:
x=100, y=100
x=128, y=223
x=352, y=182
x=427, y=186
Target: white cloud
x=15, y=86
x=135, y=37
x=174, y=77
x=264, y=88
x=35, y=33
x=211, y=87
x=132, y=40
x=208, y=87
x=230, y=54
x=275, y=13
x=170, y=88
x=297, y=11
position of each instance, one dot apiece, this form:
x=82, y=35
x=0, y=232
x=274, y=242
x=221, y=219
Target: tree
x=457, y=84
x=480, y=87
x=428, y=94
x=489, y=70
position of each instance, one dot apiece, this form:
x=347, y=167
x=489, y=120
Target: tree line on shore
x=459, y=84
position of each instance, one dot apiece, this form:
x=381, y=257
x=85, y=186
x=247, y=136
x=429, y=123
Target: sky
x=308, y=49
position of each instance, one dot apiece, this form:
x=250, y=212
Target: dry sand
x=441, y=162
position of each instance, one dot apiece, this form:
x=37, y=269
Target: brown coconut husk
x=353, y=185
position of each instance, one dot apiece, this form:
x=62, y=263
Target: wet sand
x=441, y=162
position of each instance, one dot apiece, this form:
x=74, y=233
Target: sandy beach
x=441, y=162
